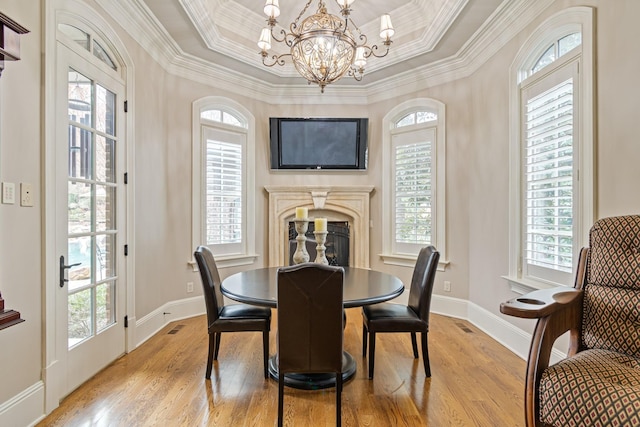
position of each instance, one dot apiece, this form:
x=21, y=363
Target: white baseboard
x=510, y=336
x=25, y=408
x=448, y=306
x=153, y=322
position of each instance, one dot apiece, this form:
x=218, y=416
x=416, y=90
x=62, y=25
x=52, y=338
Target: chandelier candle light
x=320, y=231
x=302, y=224
x=323, y=47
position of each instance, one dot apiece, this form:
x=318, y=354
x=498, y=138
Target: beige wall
x=477, y=172
x=20, y=227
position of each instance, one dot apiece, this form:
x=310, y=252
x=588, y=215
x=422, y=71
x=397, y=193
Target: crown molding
x=507, y=21
x=200, y=12
x=432, y=33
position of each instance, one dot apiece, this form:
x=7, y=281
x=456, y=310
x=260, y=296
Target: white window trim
x=387, y=255
x=570, y=20
x=217, y=102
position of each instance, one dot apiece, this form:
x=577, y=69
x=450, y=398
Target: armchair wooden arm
x=558, y=310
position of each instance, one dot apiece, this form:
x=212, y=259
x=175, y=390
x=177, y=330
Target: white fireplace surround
x=336, y=203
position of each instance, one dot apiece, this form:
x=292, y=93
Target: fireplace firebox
x=337, y=244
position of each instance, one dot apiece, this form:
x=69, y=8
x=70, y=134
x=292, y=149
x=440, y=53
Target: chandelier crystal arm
x=373, y=50
x=287, y=38
x=277, y=59
x=356, y=74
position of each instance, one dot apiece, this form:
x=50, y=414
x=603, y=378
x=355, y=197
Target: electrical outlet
x=189, y=287
x=8, y=193
x=26, y=194
x=447, y=286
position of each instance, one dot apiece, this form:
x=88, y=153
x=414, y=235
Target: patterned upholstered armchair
x=598, y=384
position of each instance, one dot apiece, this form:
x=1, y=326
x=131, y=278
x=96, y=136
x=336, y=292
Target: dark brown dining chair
x=413, y=318
x=310, y=325
x=228, y=318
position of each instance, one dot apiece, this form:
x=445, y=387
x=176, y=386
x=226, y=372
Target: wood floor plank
x=475, y=382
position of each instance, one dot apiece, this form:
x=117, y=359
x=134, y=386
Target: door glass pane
x=105, y=207
x=80, y=324
x=105, y=256
x=91, y=225
x=80, y=150
x=105, y=110
x=80, y=98
x=105, y=159
x=105, y=313
x=79, y=214
x=79, y=249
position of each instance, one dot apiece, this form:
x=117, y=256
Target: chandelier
x=323, y=47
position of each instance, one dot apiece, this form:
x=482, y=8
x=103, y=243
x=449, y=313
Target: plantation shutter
x=413, y=189
x=223, y=183
x=549, y=178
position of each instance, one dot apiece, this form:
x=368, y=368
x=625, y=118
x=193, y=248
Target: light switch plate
x=8, y=193
x=26, y=194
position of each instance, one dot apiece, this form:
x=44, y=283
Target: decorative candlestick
x=301, y=255
x=321, y=238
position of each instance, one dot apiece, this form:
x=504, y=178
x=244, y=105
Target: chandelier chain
x=295, y=23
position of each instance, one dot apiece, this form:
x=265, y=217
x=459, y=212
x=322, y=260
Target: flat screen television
x=318, y=143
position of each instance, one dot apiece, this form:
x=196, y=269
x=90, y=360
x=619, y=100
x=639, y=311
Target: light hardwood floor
x=475, y=382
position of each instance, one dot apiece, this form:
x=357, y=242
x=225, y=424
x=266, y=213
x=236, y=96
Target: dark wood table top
x=361, y=287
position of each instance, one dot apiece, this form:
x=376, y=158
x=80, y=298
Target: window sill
x=408, y=261
x=225, y=261
x=523, y=286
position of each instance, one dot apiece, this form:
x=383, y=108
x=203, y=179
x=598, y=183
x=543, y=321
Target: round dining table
x=361, y=287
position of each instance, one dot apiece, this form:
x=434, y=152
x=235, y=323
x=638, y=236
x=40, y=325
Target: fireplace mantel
x=336, y=203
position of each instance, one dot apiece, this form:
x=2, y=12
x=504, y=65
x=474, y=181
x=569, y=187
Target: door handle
x=64, y=267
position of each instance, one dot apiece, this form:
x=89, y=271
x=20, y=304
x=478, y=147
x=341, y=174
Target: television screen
x=303, y=143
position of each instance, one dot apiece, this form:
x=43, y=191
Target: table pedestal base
x=314, y=381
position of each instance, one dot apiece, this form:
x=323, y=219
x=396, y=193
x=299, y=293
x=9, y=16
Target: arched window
x=551, y=150
x=413, y=146
x=89, y=43
x=223, y=180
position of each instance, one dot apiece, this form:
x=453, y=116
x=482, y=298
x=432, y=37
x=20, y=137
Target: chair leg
x=364, y=340
x=372, y=352
x=212, y=344
x=215, y=353
x=414, y=344
x=425, y=355
x=280, y=398
x=265, y=351
x=339, y=399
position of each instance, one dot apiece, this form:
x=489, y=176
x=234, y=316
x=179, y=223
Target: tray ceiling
x=225, y=32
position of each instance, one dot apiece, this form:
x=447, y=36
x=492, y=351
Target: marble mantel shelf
x=336, y=203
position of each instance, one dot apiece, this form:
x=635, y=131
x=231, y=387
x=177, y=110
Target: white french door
x=90, y=216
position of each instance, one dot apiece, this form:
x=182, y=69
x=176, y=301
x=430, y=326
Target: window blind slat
x=549, y=178
x=413, y=193
x=223, y=183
